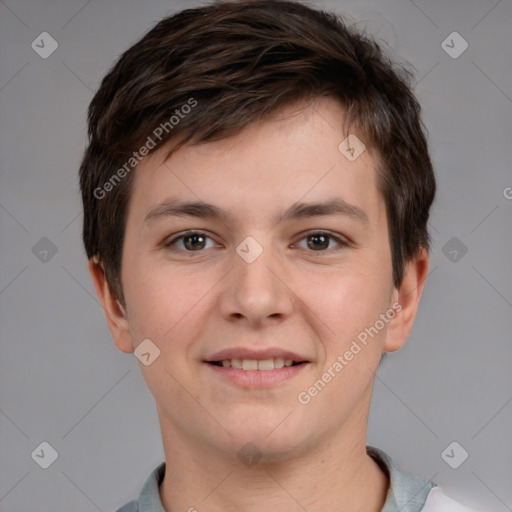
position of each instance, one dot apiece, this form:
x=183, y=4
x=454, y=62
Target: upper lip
x=247, y=353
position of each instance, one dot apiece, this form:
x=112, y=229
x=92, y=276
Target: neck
x=336, y=474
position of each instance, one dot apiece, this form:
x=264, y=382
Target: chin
x=270, y=441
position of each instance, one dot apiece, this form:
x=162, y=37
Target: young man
x=256, y=192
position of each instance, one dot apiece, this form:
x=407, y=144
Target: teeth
x=253, y=364
x=266, y=364
x=278, y=362
x=249, y=364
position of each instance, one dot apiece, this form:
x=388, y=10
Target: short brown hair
x=237, y=63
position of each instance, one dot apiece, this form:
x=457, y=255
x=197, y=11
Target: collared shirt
x=407, y=492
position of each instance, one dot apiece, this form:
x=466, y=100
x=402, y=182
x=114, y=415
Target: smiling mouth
x=257, y=364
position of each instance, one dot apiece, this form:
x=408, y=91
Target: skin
x=298, y=295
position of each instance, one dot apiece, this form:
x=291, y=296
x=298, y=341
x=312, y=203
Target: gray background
x=63, y=381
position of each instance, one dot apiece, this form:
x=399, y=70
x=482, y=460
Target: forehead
x=298, y=156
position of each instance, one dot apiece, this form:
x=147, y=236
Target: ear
x=114, y=312
x=408, y=296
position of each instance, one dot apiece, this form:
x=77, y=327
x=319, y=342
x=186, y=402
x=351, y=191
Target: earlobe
x=115, y=313
x=408, y=296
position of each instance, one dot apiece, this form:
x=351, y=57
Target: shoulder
x=149, y=497
x=131, y=506
x=409, y=492
x=437, y=501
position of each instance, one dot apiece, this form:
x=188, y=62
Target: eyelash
x=170, y=243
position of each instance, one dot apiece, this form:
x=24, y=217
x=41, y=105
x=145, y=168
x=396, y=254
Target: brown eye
x=192, y=241
x=319, y=241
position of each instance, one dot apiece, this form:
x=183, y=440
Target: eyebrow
x=175, y=208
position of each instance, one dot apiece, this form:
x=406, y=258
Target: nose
x=256, y=290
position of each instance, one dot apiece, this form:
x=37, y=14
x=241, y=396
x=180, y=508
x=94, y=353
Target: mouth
x=256, y=369
x=257, y=364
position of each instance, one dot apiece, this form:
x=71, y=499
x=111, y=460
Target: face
x=255, y=276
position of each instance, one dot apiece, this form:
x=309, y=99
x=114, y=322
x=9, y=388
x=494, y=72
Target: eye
x=319, y=241
x=193, y=241
x=196, y=241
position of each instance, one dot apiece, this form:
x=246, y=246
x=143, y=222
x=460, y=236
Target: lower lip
x=257, y=379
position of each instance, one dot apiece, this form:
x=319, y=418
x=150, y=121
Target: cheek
x=163, y=307
x=163, y=302
x=346, y=300
x=351, y=343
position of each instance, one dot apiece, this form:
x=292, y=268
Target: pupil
x=324, y=241
x=195, y=238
